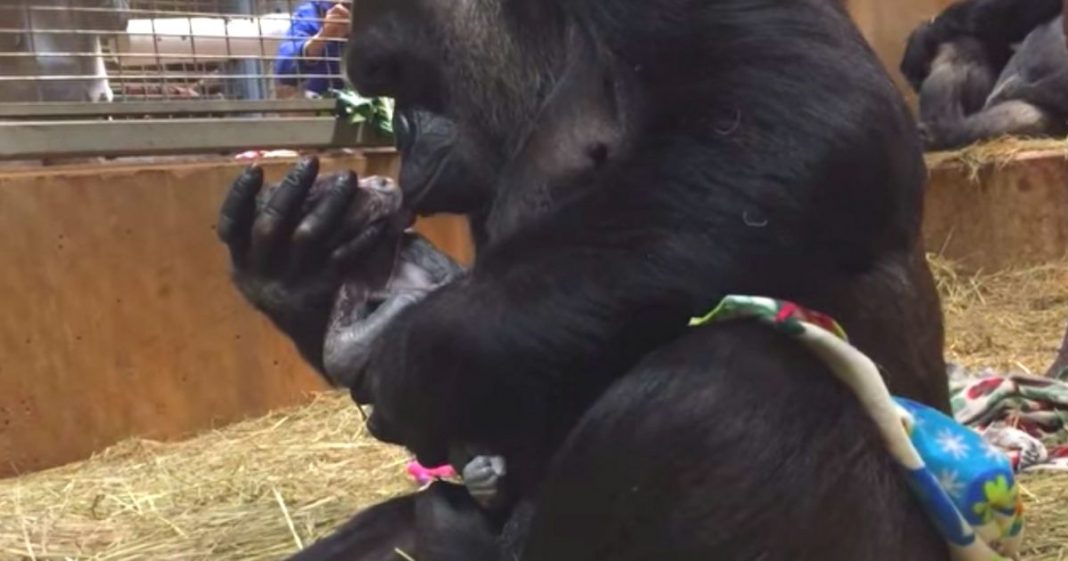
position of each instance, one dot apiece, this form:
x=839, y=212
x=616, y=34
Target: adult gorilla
x=988, y=68
x=650, y=157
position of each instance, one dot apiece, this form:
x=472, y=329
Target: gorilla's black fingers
x=360, y=245
x=282, y=211
x=239, y=210
x=318, y=224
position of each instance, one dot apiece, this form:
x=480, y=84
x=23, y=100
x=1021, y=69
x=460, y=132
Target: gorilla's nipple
x=598, y=154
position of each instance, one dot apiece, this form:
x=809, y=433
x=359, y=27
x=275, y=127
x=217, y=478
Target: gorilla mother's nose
x=389, y=53
x=376, y=76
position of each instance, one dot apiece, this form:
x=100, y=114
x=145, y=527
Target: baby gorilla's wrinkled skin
x=482, y=477
x=399, y=269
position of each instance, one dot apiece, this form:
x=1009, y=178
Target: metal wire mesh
x=164, y=59
x=71, y=50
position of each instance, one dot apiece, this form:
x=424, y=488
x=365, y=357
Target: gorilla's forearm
x=997, y=21
x=547, y=319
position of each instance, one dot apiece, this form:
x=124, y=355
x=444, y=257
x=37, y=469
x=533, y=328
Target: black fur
x=748, y=147
x=975, y=85
x=735, y=146
x=440, y=523
x=763, y=456
x=998, y=23
x=721, y=186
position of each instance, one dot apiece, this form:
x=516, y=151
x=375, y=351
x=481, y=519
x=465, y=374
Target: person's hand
x=336, y=22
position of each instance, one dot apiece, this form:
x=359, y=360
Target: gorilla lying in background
x=976, y=83
x=628, y=163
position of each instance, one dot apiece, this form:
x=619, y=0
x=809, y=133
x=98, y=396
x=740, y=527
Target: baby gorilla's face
x=376, y=202
x=383, y=269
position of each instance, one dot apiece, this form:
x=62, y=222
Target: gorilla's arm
x=1015, y=117
x=548, y=317
x=997, y=21
x=311, y=262
x=286, y=275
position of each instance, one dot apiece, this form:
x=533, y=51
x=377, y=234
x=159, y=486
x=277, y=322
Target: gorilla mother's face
x=512, y=105
x=466, y=59
x=462, y=79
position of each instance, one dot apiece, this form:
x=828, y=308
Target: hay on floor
x=252, y=491
x=260, y=489
x=996, y=152
x=1007, y=321
x=1046, y=537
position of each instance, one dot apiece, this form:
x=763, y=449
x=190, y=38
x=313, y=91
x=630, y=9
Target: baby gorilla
x=383, y=267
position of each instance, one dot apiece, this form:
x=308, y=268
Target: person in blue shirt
x=318, y=29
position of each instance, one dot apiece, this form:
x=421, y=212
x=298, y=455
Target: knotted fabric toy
x=966, y=486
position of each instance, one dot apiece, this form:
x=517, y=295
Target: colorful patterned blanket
x=1025, y=416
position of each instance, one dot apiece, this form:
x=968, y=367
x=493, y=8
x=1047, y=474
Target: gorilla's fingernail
x=499, y=466
x=346, y=177
x=377, y=183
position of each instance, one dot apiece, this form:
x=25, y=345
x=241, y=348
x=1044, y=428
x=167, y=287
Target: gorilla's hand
x=482, y=477
x=288, y=249
x=940, y=135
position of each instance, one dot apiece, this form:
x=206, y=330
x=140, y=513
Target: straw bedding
x=263, y=488
x=996, y=153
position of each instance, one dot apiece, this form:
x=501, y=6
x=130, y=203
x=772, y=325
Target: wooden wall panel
x=118, y=316
x=1011, y=214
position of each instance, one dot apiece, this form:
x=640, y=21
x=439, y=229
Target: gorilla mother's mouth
x=418, y=188
x=425, y=145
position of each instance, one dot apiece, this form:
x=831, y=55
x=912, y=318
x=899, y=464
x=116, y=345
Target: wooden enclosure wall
x=118, y=318
x=1003, y=215
x=1006, y=216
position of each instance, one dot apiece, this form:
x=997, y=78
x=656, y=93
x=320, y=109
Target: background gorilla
x=649, y=158
x=974, y=84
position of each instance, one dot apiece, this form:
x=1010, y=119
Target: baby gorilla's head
x=377, y=200
x=376, y=204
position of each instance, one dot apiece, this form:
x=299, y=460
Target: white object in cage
x=54, y=54
x=182, y=39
